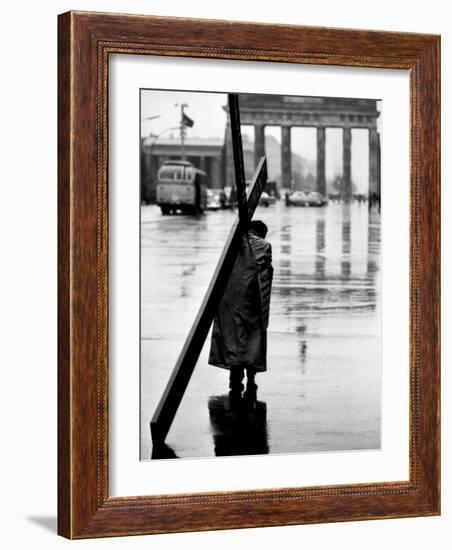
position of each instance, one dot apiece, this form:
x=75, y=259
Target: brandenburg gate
x=317, y=112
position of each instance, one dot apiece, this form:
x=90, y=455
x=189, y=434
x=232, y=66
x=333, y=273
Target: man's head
x=259, y=228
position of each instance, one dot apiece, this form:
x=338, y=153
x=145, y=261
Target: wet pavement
x=321, y=391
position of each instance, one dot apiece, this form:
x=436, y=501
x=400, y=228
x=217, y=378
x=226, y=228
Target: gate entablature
x=314, y=112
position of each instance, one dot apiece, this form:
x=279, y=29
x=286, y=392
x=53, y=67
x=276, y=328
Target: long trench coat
x=239, y=335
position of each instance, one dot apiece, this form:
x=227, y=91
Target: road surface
x=322, y=388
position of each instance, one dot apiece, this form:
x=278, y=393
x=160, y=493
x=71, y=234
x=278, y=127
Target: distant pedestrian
x=239, y=336
x=287, y=198
x=223, y=198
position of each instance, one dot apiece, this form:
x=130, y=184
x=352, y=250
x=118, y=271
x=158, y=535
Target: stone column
x=259, y=143
x=154, y=165
x=147, y=162
x=374, y=162
x=321, y=178
x=151, y=176
x=346, y=191
x=215, y=173
x=286, y=158
x=202, y=163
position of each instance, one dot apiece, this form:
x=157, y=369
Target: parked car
x=213, y=200
x=316, y=199
x=266, y=200
x=298, y=198
x=228, y=197
x=307, y=198
x=271, y=187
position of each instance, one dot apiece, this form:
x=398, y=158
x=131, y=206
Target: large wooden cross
x=247, y=204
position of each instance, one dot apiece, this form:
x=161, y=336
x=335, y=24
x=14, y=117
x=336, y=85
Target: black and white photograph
x=288, y=356
x=225, y=233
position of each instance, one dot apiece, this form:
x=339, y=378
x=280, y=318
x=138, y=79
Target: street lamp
x=150, y=118
x=182, y=127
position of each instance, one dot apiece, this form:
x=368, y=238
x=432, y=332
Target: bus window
x=166, y=173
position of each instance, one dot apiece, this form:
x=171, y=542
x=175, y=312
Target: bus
x=181, y=187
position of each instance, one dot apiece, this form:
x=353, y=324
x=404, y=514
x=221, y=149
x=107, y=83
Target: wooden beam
x=239, y=166
x=180, y=377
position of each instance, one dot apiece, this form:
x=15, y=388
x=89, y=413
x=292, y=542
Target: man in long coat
x=239, y=335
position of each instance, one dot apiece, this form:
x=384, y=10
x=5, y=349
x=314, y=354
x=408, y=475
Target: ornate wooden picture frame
x=86, y=40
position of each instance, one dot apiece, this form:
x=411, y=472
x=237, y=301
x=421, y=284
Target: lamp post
x=148, y=118
x=182, y=127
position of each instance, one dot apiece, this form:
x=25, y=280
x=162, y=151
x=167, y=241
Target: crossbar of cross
x=186, y=362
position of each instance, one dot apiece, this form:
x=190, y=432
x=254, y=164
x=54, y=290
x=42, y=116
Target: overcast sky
x=206, y=109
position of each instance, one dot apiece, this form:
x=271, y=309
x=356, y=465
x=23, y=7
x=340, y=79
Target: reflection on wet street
x=238, y=432
x=322, y=388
